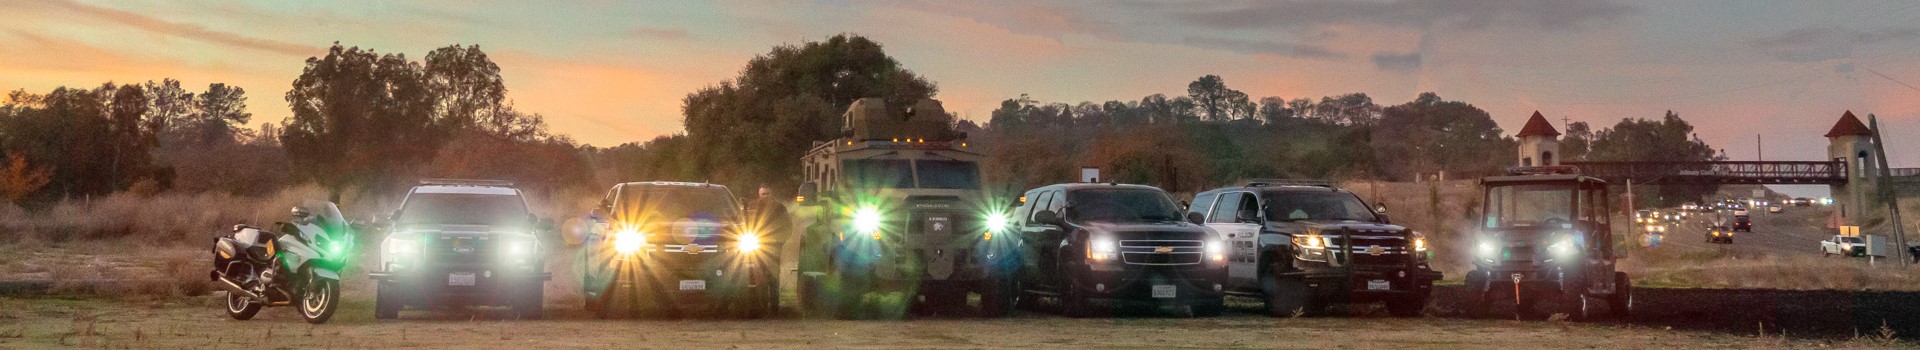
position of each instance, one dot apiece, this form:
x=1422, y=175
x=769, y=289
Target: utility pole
x=1887, y=194
x=1759, y=148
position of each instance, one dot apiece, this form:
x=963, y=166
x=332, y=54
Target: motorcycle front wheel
x=318, y=302
x=241, y=308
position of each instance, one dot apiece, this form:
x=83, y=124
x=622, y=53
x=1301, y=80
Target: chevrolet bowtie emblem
x=692, y=248
x=1376, y=250
x=1163, y=250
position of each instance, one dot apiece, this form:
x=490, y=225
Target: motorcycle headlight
x=748, y=242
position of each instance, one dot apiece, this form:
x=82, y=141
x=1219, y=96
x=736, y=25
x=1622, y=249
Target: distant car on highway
x=1843, y=246
x=1742, y=223
x=1775, y=209
x=1802, y=202
x=1719, y=235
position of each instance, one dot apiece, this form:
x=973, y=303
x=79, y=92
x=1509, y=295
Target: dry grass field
x=197, y=323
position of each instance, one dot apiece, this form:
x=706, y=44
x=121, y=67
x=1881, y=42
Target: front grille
x=1161, y=252
x=956, y=223
x=1374, y=250
x=460, y=249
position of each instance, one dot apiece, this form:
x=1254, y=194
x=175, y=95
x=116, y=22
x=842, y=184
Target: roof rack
x=1544, y=170
x=1288, y=182
x=466, y=182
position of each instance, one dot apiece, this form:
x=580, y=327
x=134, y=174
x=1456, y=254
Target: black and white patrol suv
x=1302, y=245
x=460, y=243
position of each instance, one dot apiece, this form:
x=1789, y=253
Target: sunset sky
x=611, y=72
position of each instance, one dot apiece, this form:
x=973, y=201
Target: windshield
x=464, y=209
x=1122, y=205
x=1316, y=205
x=1529, y=205
x=1850, y=239
x=674, y=204
x=947, y=174
x=880, y=173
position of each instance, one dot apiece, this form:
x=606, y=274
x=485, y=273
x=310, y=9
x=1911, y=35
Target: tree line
x=364, y=121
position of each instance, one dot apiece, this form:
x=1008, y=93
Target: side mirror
x=597, y=215
x=1047, y=217
x=1247, y=216
x=1380, y=209
x=544, y=225
x=808, y=194
x=1196, y=218
x=301, y=214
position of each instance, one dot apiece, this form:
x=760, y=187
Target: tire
x=386, y=302
x=1077, y=304
x=1290, y=297
x=1621, y=302
x=1209, y=308
x=241, y=308
x=530, y=302
x=1407, y=305
x=1000, y=297
x=320, y=299
x=944, y=301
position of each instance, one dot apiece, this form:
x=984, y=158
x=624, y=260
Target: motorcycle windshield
x=327, y=216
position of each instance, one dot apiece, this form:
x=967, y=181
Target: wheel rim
x=236, y=303
x=315, y=301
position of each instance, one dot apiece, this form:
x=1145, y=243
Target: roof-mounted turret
x=871, y=119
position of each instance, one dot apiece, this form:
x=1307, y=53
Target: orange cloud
x=190, y=31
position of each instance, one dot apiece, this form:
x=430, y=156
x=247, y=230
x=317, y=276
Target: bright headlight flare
x=996, y=222
x=1217, y=251
x=867, y=220
x=1309, y=241
x=401, y=247
x=1486, y=249
x=1101, y=248
x=748, y=242
x=1564, y=247
x=1419, y=242
x=628, y=241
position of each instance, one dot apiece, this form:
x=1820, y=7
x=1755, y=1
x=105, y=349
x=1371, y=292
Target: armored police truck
x=896, y=219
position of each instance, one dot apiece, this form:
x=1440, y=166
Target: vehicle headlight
x=1419, y=242
x=1486, y=249
x=397, y=247
x=1217, y=251
x=748, y=242
x=1564, y=248
x=1101, y=248
x=997, y=222
x=866, y=220
x=1310, y=241
x=628, y=241
x=519, y=249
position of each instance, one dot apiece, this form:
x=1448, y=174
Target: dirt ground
x=198, y=323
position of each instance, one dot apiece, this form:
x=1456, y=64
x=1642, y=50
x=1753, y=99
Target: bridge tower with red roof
x=1539, y=142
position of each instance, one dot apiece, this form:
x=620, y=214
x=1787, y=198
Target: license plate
x=693, y=285
x=1379, y=285
x=1163, y=291
x=460, y=279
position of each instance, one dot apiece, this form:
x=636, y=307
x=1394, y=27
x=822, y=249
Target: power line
x=1895, y=81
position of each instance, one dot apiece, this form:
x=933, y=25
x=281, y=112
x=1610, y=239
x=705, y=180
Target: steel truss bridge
x=1718, y=173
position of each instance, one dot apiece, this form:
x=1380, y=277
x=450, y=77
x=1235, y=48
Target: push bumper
x=457, y=284
x=1159, y=285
